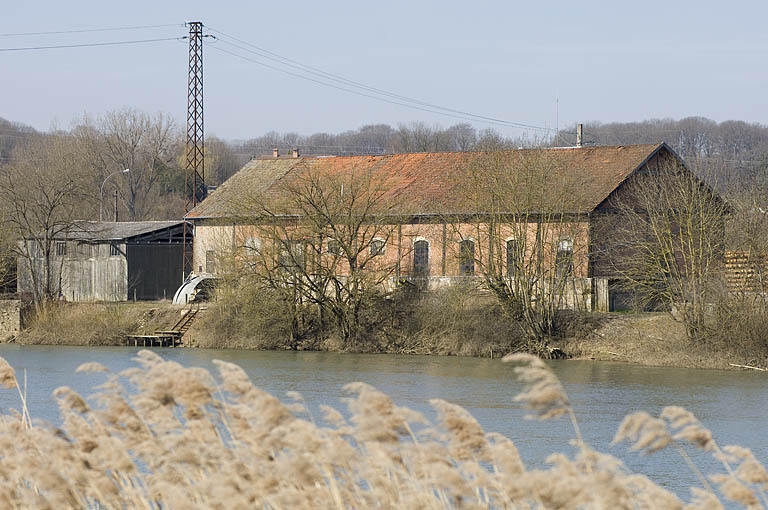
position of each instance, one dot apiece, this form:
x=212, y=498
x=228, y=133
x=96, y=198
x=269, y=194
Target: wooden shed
x=112, y=261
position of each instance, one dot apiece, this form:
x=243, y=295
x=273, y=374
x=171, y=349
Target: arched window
x=564, y=257
x=291, y=257
x=467, y=257
x=421, y=258
x=334, y=248
x=377, y=247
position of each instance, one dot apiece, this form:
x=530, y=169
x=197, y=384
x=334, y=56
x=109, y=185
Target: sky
x=534, y=66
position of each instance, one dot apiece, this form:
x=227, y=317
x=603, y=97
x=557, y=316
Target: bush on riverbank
x=243, y=317
x=451, y=321
x=740, y=326
x=469, y=322
x=162, y=435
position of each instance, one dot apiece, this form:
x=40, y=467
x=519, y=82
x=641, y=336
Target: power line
x=88, y=45
x=303, y=71
x=270, y=55
x=468, y=117
x=90, y=30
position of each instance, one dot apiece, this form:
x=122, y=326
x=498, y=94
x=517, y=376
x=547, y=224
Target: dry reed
x=162, y=435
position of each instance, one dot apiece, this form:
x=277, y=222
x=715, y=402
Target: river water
x=732, y=404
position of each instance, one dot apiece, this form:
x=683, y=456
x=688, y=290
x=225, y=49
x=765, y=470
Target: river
x=732, y=404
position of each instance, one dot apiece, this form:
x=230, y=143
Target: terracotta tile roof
x=440, y=182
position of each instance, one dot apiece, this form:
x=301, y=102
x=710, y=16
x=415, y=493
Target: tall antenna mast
x=194, y=175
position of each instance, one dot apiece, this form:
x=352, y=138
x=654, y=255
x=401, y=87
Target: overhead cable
x=88, y=45
x=395, y=98
x=89, y=30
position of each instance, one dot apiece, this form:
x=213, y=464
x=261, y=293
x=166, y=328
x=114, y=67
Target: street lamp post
x=101, y=195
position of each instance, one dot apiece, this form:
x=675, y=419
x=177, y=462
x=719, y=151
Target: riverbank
x=656, y=339
x=653, y=339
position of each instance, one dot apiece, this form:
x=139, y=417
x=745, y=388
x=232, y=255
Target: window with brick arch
x=421, y=258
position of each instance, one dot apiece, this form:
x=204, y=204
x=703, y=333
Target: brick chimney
x=295, y=152
x=275, y=153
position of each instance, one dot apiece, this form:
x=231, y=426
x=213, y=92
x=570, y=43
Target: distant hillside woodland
x=731, y=155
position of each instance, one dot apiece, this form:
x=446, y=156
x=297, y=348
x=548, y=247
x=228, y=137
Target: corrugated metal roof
x=114, y=231
x=438, y=182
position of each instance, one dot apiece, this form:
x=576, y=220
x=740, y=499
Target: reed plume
x=162, y=435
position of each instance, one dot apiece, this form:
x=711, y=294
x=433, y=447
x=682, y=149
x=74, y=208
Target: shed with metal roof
x=111, y=261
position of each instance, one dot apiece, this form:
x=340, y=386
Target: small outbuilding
x=110, y=261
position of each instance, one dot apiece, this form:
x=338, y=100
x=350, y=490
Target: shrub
x=254, y=317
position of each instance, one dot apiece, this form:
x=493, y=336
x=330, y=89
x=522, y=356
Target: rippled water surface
x=733, y=404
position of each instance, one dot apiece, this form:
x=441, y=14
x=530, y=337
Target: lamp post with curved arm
x=101, y=195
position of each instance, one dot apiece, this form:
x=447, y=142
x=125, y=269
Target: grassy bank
x=657, y=339
x=95, y=323
x=452, y=323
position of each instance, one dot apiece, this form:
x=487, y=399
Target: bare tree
x=666, y=239
x=322, y=246
x=461, y=137
x=490, y=140
x=221, y=162
x=529, y=241
x=43, y=192
x=147, y=145
x=418, y=137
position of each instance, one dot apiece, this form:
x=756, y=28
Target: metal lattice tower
x=194, y=180
x=195, y=175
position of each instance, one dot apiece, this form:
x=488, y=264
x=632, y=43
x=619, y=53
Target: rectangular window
x=114, y=250
x=466, y=258
x=514, y=261
x=61, y=248
x=564, y=258
x=210, y=261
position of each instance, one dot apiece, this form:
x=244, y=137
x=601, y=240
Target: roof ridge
x=432, y=182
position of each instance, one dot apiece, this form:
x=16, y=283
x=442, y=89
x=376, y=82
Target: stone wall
x=10, y=317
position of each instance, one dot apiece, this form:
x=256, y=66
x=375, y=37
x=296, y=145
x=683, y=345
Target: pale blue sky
x=534, y=63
